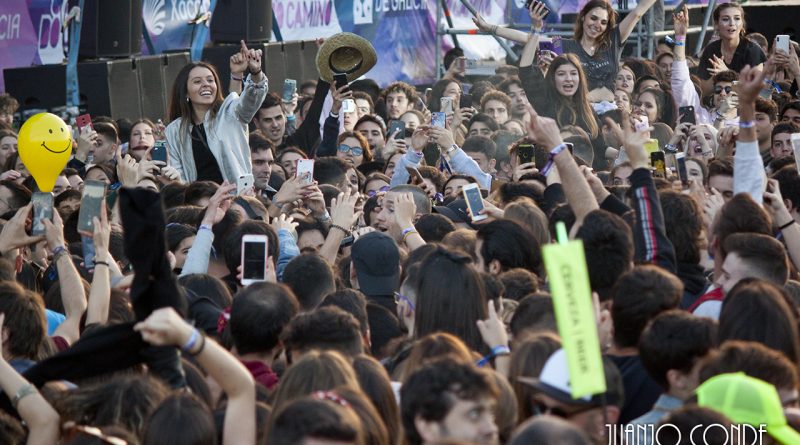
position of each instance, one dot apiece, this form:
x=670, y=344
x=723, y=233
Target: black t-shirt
x=641, y=391
x=601, y=69
x=204, y=160
x=747, y=53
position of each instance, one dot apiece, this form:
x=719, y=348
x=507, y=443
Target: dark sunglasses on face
x=718, y=89
x=372, y=193
x=356, y=151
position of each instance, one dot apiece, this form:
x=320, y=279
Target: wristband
x=202, y=346
x=747, y=124
x=205, y=227
x=670, y=148
x=346, y=232
x=496, y=351
x=334, y=115
x=679, y=43
x=23, y=392
x=101, y=263
x=452, y=148
x=407, y=232
x=291, y=117
x=493, y=29
x=553, y=153
x=786, y=226
x=192, y=342
x=58, y=252
x=237, y=78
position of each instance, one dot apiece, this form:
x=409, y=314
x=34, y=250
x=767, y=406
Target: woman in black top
x=733, y=51
x=597, y=41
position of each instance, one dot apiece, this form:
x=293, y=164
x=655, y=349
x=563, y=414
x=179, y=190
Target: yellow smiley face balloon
x=45, y=145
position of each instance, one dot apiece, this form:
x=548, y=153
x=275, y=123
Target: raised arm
x=238, y=67
x=69, y=281
x=579, y=195
x=100, y=292
x=255, y=87
x=164, y=327
x=748, y=171
x=41, y=419
x=500, y=31
x=199, y=254
x=343, y=217
x=632, y=19
x=790, y=230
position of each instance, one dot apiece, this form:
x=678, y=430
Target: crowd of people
x=387, y=311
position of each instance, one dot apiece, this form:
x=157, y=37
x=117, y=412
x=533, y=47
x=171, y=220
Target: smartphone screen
x=289, y=87
x=438, y=119
x=525, y=153
x=254, y=258
x=472, y=195
x=87, y=246
x=651, y=147
x=348, y=106
x=159, y=151
x=305, y=170
x=93, y=194
x=399, y=126
x=42, y=209
x=659, y=163
x=687, y=115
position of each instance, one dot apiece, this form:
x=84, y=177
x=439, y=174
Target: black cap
x=377, y=261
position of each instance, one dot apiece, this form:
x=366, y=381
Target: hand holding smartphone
x=289, y=88
x=244, y=184
x=438, y=119
x=305, y=171
x=340, y=80
x=159, y=151
x=472, y=195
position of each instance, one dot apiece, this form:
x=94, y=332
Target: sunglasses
x=372, y=193
x=356, y=151
x=540, y=409
x=718, y=89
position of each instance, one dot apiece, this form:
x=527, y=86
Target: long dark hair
x=605, y=38
x=179, y=106
x=181, y=419
x=575, y=110
x=666, y=106
x=454, y=308
x=437, y=92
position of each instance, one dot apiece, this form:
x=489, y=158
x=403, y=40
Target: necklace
x=588, y=47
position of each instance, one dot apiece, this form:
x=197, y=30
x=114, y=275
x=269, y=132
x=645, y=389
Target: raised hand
x=681, y=21
x=538, y=11
x=717, y=65
x=253, y=57
x=219, y=204
x=238, y=63
x=13, y=234
x=751, y=81
x=493, y=331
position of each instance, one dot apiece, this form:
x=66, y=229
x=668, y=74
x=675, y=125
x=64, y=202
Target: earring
x=187, y=99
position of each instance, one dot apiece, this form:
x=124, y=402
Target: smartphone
x=305, y=170
x=159, y=151
x=93, y=194
x=641, y=123
x=782, y=43
x=687, y=115
x=340, y=80
x=289, y=88
x=87, y=247
x=243, y=183
x=446, y=105
x=84, y=120
x=438, y=119
x=525, y=153
x=659, y=163
x=528, y=7
x=796, y=147
x=465, y=101
x=416, y=176
x=680, y=160
x=42, y=209
x=399, y=126
x=348, y=106
x=472, y=195
x=557, y=48
x=254, y=259
x=541, y=157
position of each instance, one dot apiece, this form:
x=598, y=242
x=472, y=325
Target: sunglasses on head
x=372, y=193
x=356, y=151
x=718, y=89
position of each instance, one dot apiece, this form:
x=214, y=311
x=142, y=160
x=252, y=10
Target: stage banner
x=402, y=31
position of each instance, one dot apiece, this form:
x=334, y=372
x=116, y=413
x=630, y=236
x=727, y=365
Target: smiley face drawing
x=45, y=145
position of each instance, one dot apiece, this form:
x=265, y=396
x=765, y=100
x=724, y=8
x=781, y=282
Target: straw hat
x=345, y=53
